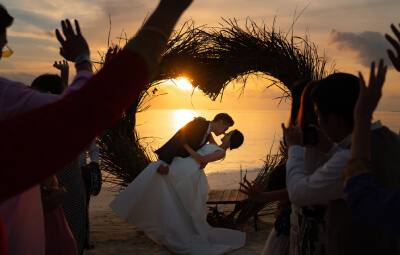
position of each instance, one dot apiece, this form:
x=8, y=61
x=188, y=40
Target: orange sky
x=349, y=33
x=255, y=97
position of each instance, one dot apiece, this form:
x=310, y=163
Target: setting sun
x=183, y=83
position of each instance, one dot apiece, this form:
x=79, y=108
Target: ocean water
x=261, y=129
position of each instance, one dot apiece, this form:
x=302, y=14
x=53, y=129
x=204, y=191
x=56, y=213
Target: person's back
x=174, y=145
x=385, y=147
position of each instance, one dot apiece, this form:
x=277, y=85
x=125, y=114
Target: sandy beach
x=112, y=235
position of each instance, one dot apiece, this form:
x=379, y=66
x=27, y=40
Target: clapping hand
x=74, y=44
x=395, y=60
x=252, y=190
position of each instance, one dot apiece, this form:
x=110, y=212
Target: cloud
x=368, y=46
x=25, y=78
x=33, y=35
x=48, y=33
x=394, y=97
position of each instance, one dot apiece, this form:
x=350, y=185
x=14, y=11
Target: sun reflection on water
x=183, y=116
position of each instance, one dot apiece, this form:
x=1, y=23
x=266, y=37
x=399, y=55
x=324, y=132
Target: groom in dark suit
x=195, y=133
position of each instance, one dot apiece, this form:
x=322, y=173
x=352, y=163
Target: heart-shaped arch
x=211, y=58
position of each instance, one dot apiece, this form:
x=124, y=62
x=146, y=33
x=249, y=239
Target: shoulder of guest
x=14, y=88
x=7, y=82
x=376, y=124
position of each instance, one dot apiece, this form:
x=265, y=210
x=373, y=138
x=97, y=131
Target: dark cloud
x=48, y=33
x=45, y=22
x=369, y=46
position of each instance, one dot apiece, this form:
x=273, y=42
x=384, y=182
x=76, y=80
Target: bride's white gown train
x=172, y=209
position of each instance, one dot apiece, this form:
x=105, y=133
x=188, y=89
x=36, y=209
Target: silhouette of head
x=48, y=83
x=5, y=21
x=223, y=122
x=237, y=139
x=338, y=94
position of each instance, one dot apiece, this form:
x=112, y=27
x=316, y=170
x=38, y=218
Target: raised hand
x=61, y=65
x=111, y=52
x=252, y=190
x=74, y=44
x=64, y=68
x=369, y=96
x=395, y=43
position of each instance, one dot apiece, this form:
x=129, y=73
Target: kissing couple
x=168, y=200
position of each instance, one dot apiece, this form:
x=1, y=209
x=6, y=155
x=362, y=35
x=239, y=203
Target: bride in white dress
x=172, y=209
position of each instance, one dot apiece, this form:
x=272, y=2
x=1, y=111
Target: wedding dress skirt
x=172, y=209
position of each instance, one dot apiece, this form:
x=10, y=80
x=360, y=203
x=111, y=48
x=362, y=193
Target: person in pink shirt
x=103, y=99
x=24, y=211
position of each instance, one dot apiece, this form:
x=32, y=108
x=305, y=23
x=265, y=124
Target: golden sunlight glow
x=183, y=116
x=183, y=83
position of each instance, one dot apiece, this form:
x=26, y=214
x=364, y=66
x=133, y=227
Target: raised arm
x=368, y=203
x=96, y=106
x=155, y=32
x=365, y=106
x=395, y=43
x=217, y=155
x=64, y=69
x=74, y=47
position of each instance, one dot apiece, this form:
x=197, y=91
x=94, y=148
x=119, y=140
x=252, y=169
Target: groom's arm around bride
x=196, y=133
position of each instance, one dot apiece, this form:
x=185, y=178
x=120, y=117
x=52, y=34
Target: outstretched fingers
x=78, y=29
x=246, y=182
x=370, y=95
x=395, y=59
x=64, y=28
x=245, y=189
x=372, y=73
x=395, y=31
x=377, y=80
x=381, y=75
x=361, y=82
x=59, y=37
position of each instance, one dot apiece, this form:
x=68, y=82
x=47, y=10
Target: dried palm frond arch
x=211, y=58
x=214, y=57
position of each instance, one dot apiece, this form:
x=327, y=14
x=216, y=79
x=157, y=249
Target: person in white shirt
x=334, y=99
